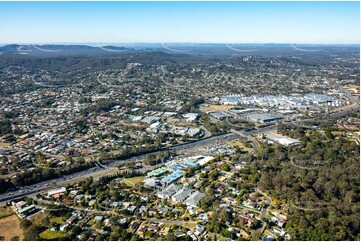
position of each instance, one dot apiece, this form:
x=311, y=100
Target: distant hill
x=60, y=50
x=175, y=48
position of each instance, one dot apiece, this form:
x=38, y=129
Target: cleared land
x=37, y=217
x=5, y=211
x=10, y=227
x=58, y=220
x=4, y=144
x=240, y=145
x=207, y=108
x=133, y=180
x=51, y=235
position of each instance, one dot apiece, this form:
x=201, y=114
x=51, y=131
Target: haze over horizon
x=180, y=22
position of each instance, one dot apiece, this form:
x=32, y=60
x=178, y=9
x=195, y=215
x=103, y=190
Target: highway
x=96, y=171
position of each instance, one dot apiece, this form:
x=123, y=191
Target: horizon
x=180, y=22
x=95, y=44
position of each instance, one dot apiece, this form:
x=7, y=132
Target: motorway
x=97, y=171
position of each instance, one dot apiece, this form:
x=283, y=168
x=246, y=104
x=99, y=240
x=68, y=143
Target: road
x=165, y=222
x=97, y=171
x=249, y=138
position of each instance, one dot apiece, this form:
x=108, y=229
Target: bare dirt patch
x=10, y=227
x=206, y=108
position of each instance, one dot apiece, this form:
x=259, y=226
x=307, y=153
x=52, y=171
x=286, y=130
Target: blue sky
x=198, y=22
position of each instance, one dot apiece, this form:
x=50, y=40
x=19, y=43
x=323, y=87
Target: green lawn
x=51, y=235
x=58, y=220
x=133, y=180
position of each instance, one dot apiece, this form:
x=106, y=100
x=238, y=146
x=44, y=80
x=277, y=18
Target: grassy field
x=51, y=235
x=4, y=144
x=190, y=225
x=133, y=180
x=36, y=218
x=240, y=145
x=10, y=227
x=215, y=108
x=5, y=211
x=58, y=220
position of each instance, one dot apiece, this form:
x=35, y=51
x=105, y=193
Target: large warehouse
x=262, y=117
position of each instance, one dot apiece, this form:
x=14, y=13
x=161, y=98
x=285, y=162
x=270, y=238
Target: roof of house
x=194, y=198
x=182, y=194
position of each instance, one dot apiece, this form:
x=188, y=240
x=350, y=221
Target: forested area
x=319, y=182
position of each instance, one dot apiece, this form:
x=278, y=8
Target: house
x=152, y=211
x=98, y=218
x=179, y=234
x=142, y=210
x=141, y=231
x=71, y=220
x=279, y=231
x=107, y=222
x=163, y=210
x=176, y=212
x=221, y=188
x=234, y=231
x=199, y=229
x=153, y=227
x=198, y=184
x=116, y=204
x=63, y=227
x=204, y=217
x=69, y=202
x=181, y=195
x=54, y=229
x=193, y=237
x=133, y=226
x=191, y=212
x=79, y=197
x=122, y=221
x=194, y=199
x=132, y=209
x=166, y=230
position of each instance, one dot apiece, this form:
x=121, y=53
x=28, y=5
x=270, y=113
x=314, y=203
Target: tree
x=24, y=223
x=32, y=233
x=225, y=167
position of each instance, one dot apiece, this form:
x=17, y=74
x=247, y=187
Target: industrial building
x=282, y=140
x=218, y=115
x=55, y=193
x=262, y=117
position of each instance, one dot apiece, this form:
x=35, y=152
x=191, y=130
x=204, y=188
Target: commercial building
x=55, y=193
x=182, y=194
x=26, y=211
x=168, y=191
x=159, y=171
x=191, y=117
x=194, y=199
x=172, y=177
x=218, y=115
x=282, y=140
x=262, y=117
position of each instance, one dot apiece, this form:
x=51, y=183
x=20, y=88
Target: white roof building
x=56, y=191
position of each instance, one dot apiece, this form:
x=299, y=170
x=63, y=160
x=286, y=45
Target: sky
x=180, y=22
